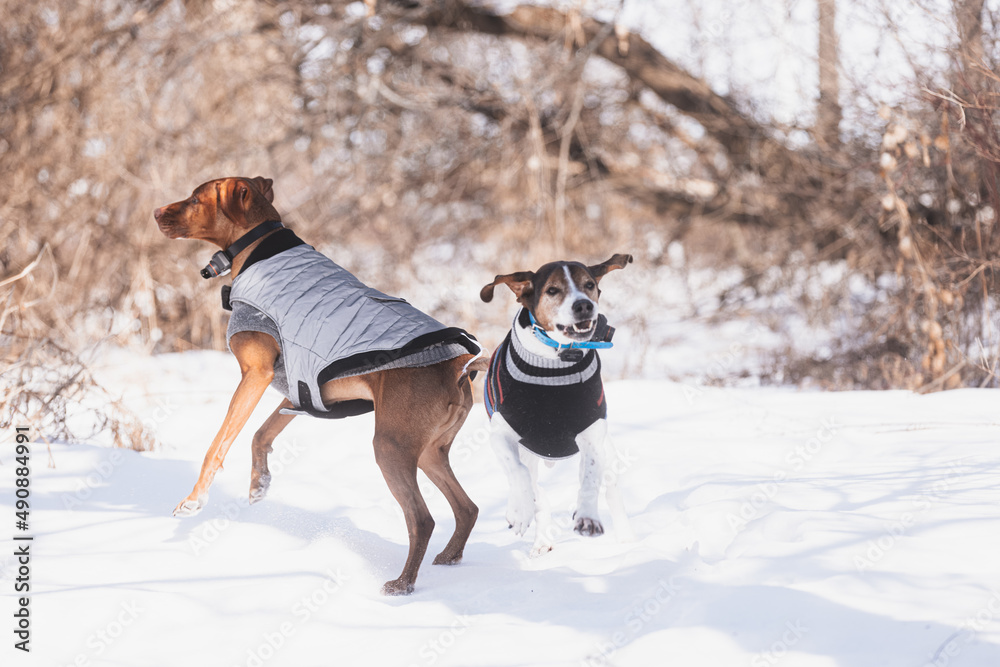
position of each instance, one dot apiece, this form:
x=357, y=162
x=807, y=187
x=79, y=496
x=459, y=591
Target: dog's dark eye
x=590, y=285
x=552, y=291
x=193, y=201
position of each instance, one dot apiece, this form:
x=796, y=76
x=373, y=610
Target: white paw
x=539, y=550
x=520, y=510
x=189, y=507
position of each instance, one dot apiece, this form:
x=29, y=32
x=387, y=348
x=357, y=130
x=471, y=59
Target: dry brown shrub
x=386, y=143
x=50, y=389
x=428, y=159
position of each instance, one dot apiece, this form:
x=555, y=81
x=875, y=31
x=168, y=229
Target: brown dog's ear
x=242, y=197
x=619, y=261
x=229, y=199
x=264, y=185
x=519, y=283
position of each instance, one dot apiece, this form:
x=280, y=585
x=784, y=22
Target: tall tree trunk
x=828, y=111
x=969, y=17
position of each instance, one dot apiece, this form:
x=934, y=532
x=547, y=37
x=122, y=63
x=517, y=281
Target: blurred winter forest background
x=809, y=187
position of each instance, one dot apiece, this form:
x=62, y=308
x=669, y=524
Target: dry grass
x=50, y=389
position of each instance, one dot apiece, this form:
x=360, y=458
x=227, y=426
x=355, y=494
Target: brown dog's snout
x=165, y=218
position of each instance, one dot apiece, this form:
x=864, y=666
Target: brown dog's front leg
x=257, y=365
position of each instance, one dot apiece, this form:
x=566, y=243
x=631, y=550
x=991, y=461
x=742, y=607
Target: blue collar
x=544, y=337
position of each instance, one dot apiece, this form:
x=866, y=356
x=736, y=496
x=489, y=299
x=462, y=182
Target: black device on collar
x=571, y=352
x=222, y=261
x=603, y=333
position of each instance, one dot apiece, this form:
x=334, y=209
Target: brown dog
x=418, y=411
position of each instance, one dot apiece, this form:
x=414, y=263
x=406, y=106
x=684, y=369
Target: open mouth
x=580, y=330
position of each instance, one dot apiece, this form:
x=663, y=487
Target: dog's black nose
x=583, y=308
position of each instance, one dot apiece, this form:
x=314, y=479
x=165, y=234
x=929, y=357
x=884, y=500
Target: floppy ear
x=618, y=261
x=242, y=197
x=264, y=186
x=519, y=283
x=232, y=198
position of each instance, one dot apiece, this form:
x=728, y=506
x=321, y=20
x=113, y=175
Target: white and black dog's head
x=562, y=296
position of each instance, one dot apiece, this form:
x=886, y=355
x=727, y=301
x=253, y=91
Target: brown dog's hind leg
x=260, y=476
x=399, y=467
x=434, y=463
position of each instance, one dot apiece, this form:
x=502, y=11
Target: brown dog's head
x=219, y=211
x=561, y=295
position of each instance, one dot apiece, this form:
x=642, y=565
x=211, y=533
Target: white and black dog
x=545, y=397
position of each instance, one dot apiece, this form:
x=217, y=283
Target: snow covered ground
x=772, y=527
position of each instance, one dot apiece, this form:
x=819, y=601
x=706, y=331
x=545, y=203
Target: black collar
x=278, y=242
x=222, y=261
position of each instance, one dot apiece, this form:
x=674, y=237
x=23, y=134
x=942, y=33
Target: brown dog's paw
x=190, y=506
x=589, y=527
x=445, y=558
x=259, y=487
x=397, y=587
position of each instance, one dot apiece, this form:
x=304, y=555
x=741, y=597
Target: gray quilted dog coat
x=332, y=325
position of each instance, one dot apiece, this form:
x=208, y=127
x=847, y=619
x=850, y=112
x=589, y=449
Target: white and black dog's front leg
x=521, y=497
x=593, y=462
x=525, y=500
x=597, y=458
